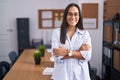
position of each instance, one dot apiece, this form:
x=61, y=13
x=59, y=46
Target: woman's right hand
x=84, y=47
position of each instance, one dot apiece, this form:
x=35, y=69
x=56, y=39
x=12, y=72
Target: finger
x=54, y=54
x=55, y=49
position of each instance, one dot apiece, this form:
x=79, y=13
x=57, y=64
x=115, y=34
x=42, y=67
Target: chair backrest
x=13, y=56
x=4, y=68
x=92, y=72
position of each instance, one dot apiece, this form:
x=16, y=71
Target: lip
x=72, y=21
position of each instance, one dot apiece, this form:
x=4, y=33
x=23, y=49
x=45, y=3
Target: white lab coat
x=72, y=69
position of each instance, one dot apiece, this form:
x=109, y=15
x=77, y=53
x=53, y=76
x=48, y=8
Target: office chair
x=92, y=72
x=13, y=57
x=4, y=68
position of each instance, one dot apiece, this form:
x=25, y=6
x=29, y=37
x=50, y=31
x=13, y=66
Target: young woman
x=71, y=45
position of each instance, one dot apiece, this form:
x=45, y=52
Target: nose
x=73, y=16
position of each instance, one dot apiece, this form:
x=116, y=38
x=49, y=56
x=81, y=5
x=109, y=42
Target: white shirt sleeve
x=56, y=42
x=87, y=54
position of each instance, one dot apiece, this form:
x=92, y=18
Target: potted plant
x=37, y=57
x=42, y=49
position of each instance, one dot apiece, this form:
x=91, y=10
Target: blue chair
x=13, y=57
x=4, y=68
x=92, y=72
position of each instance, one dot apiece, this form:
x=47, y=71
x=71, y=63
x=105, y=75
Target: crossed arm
x=60, y=51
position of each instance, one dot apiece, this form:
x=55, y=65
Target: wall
x=29, y=8
x=96, y=35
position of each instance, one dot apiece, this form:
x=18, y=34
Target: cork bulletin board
x=90, y=15
x=50, y=18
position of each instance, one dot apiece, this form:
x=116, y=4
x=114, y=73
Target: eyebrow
x=72, y=12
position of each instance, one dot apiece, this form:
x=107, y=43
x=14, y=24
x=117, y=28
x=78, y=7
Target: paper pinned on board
x=89, y=22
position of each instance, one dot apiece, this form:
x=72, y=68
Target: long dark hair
x=64, y=24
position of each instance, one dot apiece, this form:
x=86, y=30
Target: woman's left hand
x=60, y=51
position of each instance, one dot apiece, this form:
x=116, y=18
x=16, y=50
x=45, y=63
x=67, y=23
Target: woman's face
x=72, y=16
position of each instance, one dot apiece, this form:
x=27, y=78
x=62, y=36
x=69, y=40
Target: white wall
x=29, y=8
x=96, y=34
x=26, y=8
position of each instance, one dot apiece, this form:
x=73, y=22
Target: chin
x=73, y=25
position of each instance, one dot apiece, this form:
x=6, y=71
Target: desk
x=25, y=68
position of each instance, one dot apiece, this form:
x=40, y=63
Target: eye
x=76, y=14
x=69, y=14
x=73, y=14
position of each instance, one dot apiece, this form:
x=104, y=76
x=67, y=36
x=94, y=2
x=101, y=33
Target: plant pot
x=37, y=61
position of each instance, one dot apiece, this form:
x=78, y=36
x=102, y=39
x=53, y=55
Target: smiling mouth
x=72, y=21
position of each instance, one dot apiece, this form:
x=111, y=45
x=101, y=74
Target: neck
x=71, y=31
x=72, y=28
